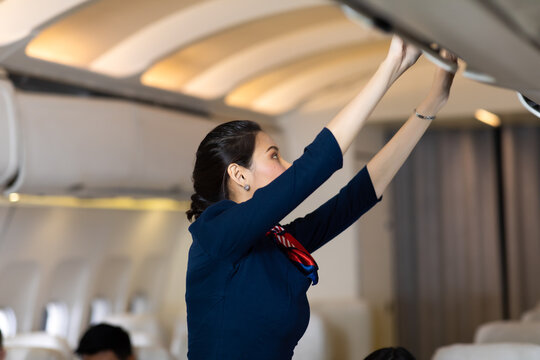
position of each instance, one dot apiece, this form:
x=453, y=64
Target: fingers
x=445, y=54
x=397, y=41
x=396, y=50
x=412, y=53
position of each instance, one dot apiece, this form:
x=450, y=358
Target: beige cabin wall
x=73, y=255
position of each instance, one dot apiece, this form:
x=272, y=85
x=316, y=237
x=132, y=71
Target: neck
x=240, y=196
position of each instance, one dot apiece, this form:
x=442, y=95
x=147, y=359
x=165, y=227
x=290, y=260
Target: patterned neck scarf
x=299, y=256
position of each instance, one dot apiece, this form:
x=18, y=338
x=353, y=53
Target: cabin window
x=99, y=309
x=55, y=318
x=8, y=322
x=139, y=304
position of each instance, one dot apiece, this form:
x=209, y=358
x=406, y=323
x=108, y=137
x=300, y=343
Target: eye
x=275, y=156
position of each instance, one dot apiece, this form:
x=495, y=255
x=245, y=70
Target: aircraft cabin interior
x=103, y=104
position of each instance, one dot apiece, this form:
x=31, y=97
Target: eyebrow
x=272, y=147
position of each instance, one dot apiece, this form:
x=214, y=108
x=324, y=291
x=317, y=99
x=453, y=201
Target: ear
x=238, y=174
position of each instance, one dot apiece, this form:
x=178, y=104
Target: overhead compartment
x=8, y=134
x=500, y=47
x=165, y=154
x=102, y=147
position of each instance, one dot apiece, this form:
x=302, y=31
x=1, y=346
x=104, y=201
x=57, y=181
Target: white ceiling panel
x=20, y=17
x=146, y=46
x=221, y=78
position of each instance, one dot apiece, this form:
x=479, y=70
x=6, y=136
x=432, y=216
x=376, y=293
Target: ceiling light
x=487, y=117
x=14, y=197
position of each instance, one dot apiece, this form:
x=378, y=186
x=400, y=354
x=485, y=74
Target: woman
x=247, y=278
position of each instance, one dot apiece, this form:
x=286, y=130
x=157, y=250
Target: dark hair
x=390, y=353
x=231, y=142
x=105, y=337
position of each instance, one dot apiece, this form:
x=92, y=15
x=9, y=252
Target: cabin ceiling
x=230, y=58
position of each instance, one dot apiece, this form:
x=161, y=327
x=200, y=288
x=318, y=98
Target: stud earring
x=247, y=187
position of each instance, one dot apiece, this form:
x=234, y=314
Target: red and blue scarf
x=298, y=255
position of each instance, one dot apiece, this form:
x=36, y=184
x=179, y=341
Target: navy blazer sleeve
x=229, y=230
x=337, y=214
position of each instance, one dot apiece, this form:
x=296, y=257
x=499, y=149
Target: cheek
x=266, y=173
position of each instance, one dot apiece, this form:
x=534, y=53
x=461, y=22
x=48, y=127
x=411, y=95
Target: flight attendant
x=248, y=275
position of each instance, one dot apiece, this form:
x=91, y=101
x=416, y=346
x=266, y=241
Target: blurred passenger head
x=2, y=351
x=105, y=342
x=389, y=353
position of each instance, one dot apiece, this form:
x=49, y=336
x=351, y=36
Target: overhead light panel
x=118, y=203
x=487, y=117
x=14, y=197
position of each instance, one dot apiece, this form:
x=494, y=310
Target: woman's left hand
x=402, y=56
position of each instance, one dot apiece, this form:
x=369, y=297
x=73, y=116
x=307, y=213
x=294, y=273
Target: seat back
x=33, y=354
x=509, y=332
x=314, y=345
x=348, y=327
x=531, y=316
x=37, y=345
x=503, y=351
x=179, y=342
x=152, y=353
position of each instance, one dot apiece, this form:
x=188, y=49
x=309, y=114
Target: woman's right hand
x=440, y=88
x=348, y=122
x=401, y=56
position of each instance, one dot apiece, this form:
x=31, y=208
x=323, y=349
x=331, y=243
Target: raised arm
x=270, y=204
x=364, y=190
x=348, y=122
x=389, y=159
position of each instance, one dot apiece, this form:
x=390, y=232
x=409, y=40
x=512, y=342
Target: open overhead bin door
x=498, y=39
x=8, y=134
x=101, y=147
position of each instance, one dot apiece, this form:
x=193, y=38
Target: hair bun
x=198, y=205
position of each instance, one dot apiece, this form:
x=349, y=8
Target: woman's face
x=267, y=163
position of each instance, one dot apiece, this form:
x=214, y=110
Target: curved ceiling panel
x=280, y=90
x=220, y=78
x=143, y=48
x=173, y=72
x=415, y=83
x=18, y=22
x=337, y=98
x=288, y=94
x=80, y=38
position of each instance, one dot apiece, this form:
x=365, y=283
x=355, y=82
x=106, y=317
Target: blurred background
x=104, y=102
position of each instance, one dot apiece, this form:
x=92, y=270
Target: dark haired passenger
x=390, y=353
x=105, y=342
x=247, y=275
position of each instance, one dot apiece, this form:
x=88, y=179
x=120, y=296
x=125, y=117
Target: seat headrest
x=314, y=345
x=531, y=316
x=37, y=343
x=152, y=353
x=502, y=351
x=508, y=331
x=33, y=354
